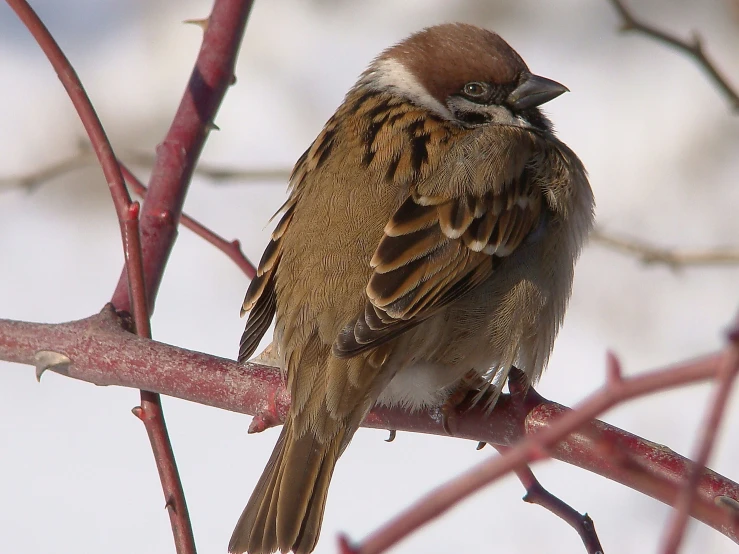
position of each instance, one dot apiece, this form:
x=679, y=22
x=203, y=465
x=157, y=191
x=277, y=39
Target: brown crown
x=445, y=57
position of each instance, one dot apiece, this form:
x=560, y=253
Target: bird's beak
x=534, y=91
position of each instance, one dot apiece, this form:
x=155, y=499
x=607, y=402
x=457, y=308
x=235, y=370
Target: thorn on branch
x=481, y=445
x=518, y=384
x=391, y=438
x=202, y=23
x=697, y=44
x=729, y=504
x=138, y=411
x=133, y=211
x=55, y=361
x=262, y=421
x=170, y=504
x=266, y=417
x=613, y=370
x=345, y=547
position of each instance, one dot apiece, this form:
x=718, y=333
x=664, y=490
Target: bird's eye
x=475, y=90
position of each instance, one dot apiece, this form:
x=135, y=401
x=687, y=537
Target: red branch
x=179, y=151
x=232, y=248
x=537, y=494
x=81, y=102
x=176, y=159
x=715, y=412
x=547, y=440
x=147, y=246
x=100, y=351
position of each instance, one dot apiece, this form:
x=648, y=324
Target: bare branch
x=84, y=157
x=232, y=249
x=537, y=494
x=692, y=48
x=537, y=447
x=100, y=351
x=134, y=295
x=728, y=370
x=217, y=173
x=137, y=288
x=675, y=259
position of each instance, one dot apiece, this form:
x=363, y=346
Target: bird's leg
x=468, y=393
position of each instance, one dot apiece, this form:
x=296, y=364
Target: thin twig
x=231, y=248
x=537, y=494
x=675, y=259
x=727, y=374
x=216, y=173
x=84, y=157
x=693, y=48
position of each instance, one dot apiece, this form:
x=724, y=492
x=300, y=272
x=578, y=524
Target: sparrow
x=430, y=234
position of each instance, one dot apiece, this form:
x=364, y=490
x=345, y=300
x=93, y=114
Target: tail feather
x=285, y=510
x=308, y=537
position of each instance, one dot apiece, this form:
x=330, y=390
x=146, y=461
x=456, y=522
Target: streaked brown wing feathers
x=434, y=251
x=261, y=297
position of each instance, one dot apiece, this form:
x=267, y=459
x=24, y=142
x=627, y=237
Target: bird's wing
x=447, y=238
x=261, y=296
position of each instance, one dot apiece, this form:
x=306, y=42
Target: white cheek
x=390, y=74
x=503, y=116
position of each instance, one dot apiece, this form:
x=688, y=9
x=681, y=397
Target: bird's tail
x=285, y=510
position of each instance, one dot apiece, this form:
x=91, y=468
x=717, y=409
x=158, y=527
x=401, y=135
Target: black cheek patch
x=472, y=118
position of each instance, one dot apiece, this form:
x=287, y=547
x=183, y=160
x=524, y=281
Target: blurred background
x=660, y=143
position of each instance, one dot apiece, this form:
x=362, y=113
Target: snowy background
x=76, y=471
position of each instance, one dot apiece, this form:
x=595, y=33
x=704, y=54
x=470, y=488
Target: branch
x=537, y=494
x=693, y=48
x=134, y=295
x=217, y=173
x=716, y=406
x=675, y=259
x=139, y=281
x=84, y=157
x=178, y=154
x=547, y=441
x=232, y=249
x=99, y=350
x=176, y=157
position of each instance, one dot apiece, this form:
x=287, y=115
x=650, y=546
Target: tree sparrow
x=431, y=232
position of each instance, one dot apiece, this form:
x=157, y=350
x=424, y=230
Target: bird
x=427, y=245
